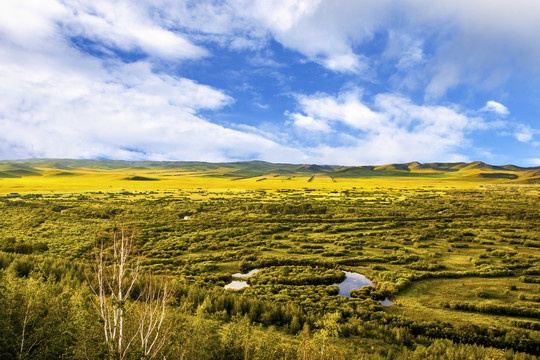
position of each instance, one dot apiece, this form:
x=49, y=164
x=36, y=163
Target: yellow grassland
x=83, y=180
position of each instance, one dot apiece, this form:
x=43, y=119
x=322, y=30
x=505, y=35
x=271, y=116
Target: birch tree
x=153, y=330
x=128, y=323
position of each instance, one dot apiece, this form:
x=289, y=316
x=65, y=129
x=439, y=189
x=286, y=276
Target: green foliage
x=297, y=275
x=300, y=241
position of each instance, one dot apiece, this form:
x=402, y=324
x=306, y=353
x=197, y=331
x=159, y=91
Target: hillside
x=250, y=169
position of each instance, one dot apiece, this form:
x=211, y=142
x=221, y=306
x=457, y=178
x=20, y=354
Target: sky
x=342, y=82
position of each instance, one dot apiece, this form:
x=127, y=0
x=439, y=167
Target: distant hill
x=248, y=169
x=10, y=169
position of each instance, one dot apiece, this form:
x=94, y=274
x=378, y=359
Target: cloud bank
x=391, y=129
x=59, y=102
x=108, y=79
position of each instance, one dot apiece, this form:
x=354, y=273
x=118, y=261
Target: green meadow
x=453, y=247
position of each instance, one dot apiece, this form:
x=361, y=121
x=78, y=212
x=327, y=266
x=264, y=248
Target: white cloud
x=309, y=123
x=407, y=50
x=345, y=108
x=445, y=43
x=533, y=161
x=127, y=113
x=323, y=31
x=392, y=129
x=496, y=107
x=59, y=102
x=482, y=43
x=27, y=22
x=447, y=75
x=126, y=26
x=121, y=25
x=525, y=133
x=346, y=63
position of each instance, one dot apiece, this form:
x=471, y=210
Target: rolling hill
x=49, y=175
x=248, y=169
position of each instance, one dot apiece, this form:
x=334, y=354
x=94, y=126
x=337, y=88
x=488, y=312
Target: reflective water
x=352, y=281
x=236, y=285
x=246, y=275
x=386, y=302
x=355, y=281
x=240, y=284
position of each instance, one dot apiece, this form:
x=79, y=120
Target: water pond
x=236, y=285
x=246, y=275
x=386, y=302
x=352, y=281
x=240, y=284
x=355, y=281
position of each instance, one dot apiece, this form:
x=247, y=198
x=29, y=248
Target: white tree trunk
x=116, y=276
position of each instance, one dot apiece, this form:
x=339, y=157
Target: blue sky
x=300, y=81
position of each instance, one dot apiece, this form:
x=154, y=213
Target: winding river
x=352, y=281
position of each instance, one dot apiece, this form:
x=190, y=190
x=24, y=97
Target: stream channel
x=352, y=281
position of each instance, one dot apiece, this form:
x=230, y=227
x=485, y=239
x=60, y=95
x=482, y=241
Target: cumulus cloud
x=27, y=22
x=123, y=25
x=525, y=133
x=128, y=112
x=435, y=46
x=498, y=108
x=112, y=25
x=445, y=43
x=323, y=31
x=155, y=117
x=309, y=123
x=67, y=92
x=60, y=102
x=345, y=108
x=390, y=129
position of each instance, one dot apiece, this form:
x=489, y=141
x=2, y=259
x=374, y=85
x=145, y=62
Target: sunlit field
x=453, y=258
x=221, y=179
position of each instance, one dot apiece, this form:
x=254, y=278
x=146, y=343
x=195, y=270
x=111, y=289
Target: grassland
x=91, y=175
x=456, y=247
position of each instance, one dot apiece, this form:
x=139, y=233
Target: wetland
x=459, y=265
